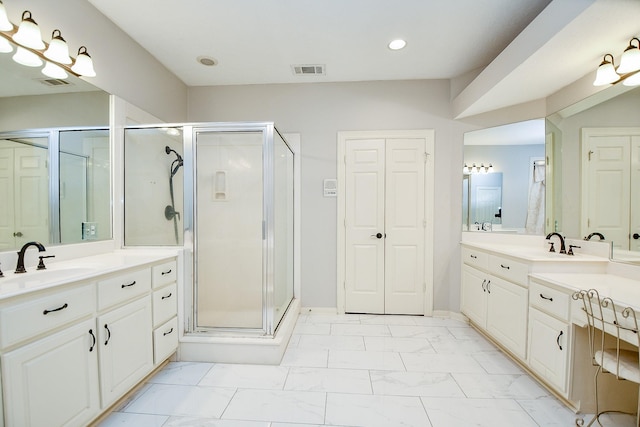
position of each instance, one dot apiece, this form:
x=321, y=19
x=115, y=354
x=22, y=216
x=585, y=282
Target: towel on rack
x=538, y=172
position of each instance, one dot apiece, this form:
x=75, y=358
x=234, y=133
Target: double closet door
x=385, y=223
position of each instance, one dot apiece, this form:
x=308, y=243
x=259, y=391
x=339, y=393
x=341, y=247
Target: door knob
x=377, y=236
x=18, y=234
x=636, y=236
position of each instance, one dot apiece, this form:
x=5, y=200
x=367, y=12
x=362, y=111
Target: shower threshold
x=217, y=348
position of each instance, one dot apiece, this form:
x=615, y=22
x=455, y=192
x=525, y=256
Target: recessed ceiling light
x=397, y=44
x=207, y=61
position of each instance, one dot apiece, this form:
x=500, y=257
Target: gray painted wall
x=318, y=112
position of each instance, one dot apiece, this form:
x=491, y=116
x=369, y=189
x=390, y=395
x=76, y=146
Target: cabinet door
x=548, y=348
x=473, y=301
x=126, y=350
x=507, y=315
x=53, y=381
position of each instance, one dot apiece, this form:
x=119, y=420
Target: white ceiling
x=257, y=41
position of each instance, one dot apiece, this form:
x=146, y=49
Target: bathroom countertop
x=79, y=269
x=534, y=253
x=623, y=291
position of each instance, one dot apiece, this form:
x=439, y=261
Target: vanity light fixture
x=28, y=34
x=58, y=50
x=477, y=169
x=33, y=52
x=628, y=70
x=5, y=24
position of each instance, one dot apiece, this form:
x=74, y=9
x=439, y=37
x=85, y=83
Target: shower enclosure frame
x=268, y=131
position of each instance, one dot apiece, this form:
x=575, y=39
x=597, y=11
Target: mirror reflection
x=599, y=138
x=54, y=158
x=515, y=154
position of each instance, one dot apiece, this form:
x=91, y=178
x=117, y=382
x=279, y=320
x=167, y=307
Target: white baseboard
x=450, y=315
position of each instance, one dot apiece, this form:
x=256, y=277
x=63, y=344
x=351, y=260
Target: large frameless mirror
x=505, y=179
x=54, y=158
x=596, y=147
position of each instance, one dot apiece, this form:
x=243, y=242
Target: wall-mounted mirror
x=516, y=154
x=599, y=139
x=54, y=158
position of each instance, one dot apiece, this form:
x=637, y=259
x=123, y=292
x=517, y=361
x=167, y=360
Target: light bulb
x=25, y=57
x=83, y=65
x=58, y=50
x=28, y=34
x=606, y=73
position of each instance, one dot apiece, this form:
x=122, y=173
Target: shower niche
x=223, y=192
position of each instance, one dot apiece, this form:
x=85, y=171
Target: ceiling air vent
x=308, y=70
x=54, y=82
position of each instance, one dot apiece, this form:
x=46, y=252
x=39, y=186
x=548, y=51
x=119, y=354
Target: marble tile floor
x=354, y=370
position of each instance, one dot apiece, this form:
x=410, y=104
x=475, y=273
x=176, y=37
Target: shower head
x=169, y=150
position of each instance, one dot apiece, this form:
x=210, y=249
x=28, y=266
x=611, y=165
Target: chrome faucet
x=563, y=250
x=594, y=234
x=20, y=266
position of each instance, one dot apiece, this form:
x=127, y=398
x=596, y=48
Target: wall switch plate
x=89, y=230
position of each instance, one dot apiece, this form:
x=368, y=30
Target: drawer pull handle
x=547, y=298
x=167, y=296
x=473, y=256
x=93, y=342
x=488, y=288
x=108, y=334
x=504, y=266
x=62, y=307
x=484, y=282
x=130, y=284
x=167, y=333
x=558, y=340
x=166, y=272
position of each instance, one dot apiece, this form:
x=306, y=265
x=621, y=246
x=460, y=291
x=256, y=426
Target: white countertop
x=623, y=291
x=86, y=268
x=534, y=253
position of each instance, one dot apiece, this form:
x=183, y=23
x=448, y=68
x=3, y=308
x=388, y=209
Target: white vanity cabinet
x=165, y=311
x=69, y=351
x=496, y=305
x=549, y=334
x=125, y=348
x=54, y=380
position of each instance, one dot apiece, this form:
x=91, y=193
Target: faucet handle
x=41, y=265
x=552, y=249
x=570, y=252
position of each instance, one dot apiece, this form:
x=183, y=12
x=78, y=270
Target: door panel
x=7, y=225
x=31, y=194
x=634, y=226
x=364, y=219
x=404, y=226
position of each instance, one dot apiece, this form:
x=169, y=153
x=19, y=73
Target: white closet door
x=31, y=191
x=7, y=225
x=634, y=243
x=364, y=222
x=404, y=226
x=608, y=183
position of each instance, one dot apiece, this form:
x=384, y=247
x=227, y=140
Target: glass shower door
x=229, y=229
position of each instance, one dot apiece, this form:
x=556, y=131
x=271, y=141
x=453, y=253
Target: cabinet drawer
x=511, y=270
x=164, y=304
x=123, y=287
x=164, y=273
x=550, y=301
x=22, y=321
x=475, y=258
x=165, y=340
